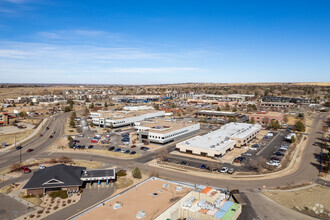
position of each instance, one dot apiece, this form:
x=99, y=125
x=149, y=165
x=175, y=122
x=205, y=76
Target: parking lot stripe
x=268, y=144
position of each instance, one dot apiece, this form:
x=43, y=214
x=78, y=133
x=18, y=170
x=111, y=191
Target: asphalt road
x=38, y=144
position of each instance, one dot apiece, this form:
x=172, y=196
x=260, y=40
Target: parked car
x=183, y=162
x=118, y=149
x=126, y=143
x=47, y=128
x=19, y=147
x=41, y=167
x=231, y=170
x=51, y=136
x=133, y=146
x=29, y=150
x=224, y=170
x=239, y=159
x=123, y=150
x=111, y=148
x=144, y=148
x=246, y=154
x=132, y=152
x=273, y=163
x=94, y=141
x=41, y=135
x=278, y=153
x=25, y=169
x=80, y=135
x=282, y=149
x=274, y=158
x=90, y=146
x=127, y=151
x=203, y=166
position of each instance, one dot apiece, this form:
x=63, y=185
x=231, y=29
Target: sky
x=164, y=41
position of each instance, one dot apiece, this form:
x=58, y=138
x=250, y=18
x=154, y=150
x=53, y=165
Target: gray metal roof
x=59, y=175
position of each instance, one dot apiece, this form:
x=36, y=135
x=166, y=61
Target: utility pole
x=20, y=155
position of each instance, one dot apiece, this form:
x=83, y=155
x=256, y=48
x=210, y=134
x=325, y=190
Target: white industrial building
x=218, y=142
x=123, y=118
x=164, y=131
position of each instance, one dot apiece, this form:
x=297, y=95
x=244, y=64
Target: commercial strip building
x=218, y=142
x=63, y=177
x=217, y=114
x=163, y=131
x=160, y=199
x=212, y=102
x=265, y=117
x=286, y=99
x=123, y=118
x=229, y=97
x=280, y=105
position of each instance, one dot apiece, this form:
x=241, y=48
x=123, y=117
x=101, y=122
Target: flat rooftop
x=218, y=113
x=162, y=126
x=87, y=174
x=115, y=115
x=151, y=197
x=222, y=137
x=267, y=114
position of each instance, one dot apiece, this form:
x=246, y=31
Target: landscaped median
x=94, y=151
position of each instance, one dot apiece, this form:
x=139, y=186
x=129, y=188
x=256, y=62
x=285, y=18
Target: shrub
x=56, y=207
x=121, y=173
x=61, y=193
x=31, y=216
x=47, y=212
x=40, y=212
x=136, y=173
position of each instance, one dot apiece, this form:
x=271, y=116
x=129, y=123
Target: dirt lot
x=309, y=200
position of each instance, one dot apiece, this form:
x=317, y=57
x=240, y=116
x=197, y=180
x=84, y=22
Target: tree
x=67, y=108
x=254, y=107
x=218, y=109
x=72, y=124
x=156, y=107
x=70, y=138
x=86, y=112
x=106, y=104
x=14, y=105
x=300, y=126
x=232, y=119
x=31, y=103
x=285, y=119
x=91, y=105
x=234, y=109
x=111, y=125
x=91, y=124
x=136, y=173
x=252, y=121
x=293, y=139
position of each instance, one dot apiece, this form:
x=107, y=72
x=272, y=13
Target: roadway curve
x=37, y=143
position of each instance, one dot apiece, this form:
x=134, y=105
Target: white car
x=285, y=146
x=224, y=170
x=273, y=163
x=123, y=150
x=41, y=167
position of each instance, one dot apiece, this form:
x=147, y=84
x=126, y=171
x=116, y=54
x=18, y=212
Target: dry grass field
x=9, y=139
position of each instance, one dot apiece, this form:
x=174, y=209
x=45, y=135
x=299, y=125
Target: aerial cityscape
x=166, y=110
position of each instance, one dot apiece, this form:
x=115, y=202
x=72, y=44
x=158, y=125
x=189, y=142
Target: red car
x=94, y=141
x=29, y=150
x=133, y=146
x=25, y=169
x=51, y=136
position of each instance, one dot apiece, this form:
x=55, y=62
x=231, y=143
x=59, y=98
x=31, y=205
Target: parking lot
x=265, y=148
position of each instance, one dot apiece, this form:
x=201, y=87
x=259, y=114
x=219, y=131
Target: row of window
x=168, y=136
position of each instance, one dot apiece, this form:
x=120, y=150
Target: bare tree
x=15, y=167
x=258, y=164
